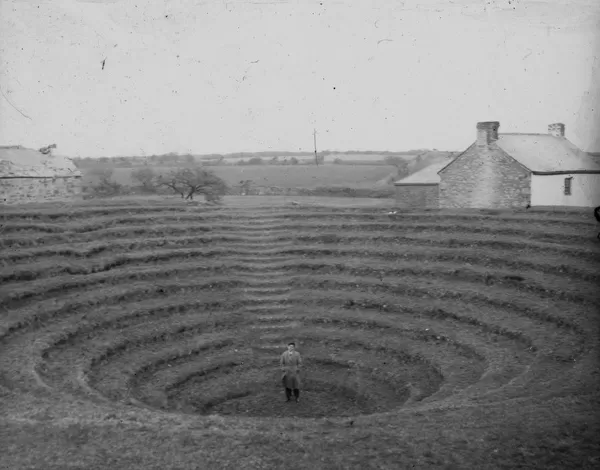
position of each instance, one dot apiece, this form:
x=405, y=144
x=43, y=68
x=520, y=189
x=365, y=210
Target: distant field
x=363, y=176
x=145, y=333
x=363, y=157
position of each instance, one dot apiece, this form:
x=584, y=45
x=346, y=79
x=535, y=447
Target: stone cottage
x=28, y=175
x=421, y=189
x=516, y=170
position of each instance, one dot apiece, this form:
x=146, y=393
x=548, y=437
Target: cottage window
x=568, y=186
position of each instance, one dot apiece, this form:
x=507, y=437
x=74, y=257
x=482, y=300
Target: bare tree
x=245, y=187
x=172, y=182
x=255, y=161
x=102, y=173
x=105, y=184
x=146, y=177
x=190, y=181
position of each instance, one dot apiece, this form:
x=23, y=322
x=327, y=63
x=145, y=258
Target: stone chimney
x=487, y=132
x=557, y=129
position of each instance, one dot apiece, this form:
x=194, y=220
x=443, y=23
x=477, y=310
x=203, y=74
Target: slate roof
x=427, y=175
x=545, y=153
x=17, y=161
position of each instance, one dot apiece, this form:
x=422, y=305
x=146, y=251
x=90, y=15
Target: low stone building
x=28, y=175
x=517, y=170
x=421, y=189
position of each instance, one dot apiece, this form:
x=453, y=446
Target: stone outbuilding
x=421, y=189
x=517, y=170
x=28, y=175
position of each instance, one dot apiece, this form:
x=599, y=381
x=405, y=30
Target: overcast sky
x=228, y=75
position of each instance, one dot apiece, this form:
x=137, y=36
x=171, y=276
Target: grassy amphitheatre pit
x=147, y=334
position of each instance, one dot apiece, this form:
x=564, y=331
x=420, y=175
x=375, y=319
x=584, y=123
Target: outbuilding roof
x=20, y=162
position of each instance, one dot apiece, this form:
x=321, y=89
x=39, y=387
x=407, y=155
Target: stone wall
x=415, y=196
x=27, y=190
x=484, y=176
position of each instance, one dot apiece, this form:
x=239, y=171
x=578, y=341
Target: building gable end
x=456, y=158
x=502, y=152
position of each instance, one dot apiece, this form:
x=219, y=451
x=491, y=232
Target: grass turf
x=432, y=339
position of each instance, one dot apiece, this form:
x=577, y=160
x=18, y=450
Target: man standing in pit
x=290, y=363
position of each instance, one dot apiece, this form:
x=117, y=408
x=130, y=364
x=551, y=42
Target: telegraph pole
x=315, y=139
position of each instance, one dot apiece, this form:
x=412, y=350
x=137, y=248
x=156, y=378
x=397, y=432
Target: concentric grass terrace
x=147, y=335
